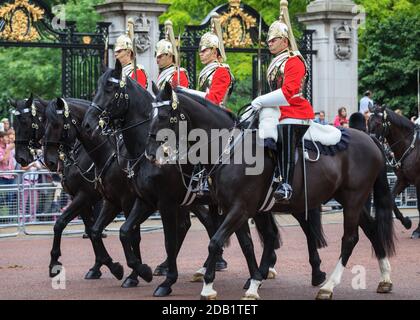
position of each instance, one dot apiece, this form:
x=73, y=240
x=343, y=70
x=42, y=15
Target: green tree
x=26, y=70
x=389, y=67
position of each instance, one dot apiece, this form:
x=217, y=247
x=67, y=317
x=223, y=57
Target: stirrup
x=283, y=192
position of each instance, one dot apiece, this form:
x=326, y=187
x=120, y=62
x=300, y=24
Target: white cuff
x=275, y=98
x=194, y=92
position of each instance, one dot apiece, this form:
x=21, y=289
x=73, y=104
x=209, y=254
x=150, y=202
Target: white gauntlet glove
x=272, y=99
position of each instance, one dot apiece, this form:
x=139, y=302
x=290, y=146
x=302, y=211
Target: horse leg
x=368, y=227
x=233, y=221
x=132, y=280
x=138, y=214
x=108, y=213
x=211, y=221
x=71, y=212
x=268, y=232
x=416, y=233
x=89, y=220
x=348, y=242
x=175, y=227
x=318, y=276
x=399, y=187
x=162, y=269
x=245, y=241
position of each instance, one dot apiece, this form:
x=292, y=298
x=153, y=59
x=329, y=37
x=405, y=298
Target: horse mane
x=51, y=109
x=399, y=121
x=208, y=104
x=51, y=113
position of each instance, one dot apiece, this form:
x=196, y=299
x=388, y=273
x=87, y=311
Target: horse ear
x=155, y=89
x=60, y=103
x=30, y=100
x=382, y=108
x=167, y=90
x=118, y=68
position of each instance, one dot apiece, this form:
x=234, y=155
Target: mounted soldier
x=215, y=82
x=284, y=113
x=124, y=52
x=168, y=60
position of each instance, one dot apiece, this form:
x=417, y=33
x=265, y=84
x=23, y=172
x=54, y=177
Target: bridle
x=174, y=155
x=386, y=125
x=33, y=143
x=63, y=147
x=120, y=100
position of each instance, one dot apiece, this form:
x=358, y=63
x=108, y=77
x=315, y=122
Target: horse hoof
x=162, y=292
x=55, y=269
x=272, y=273
x=130, y=283
x=247, y=284
x=251, y=297
x=210, y=297
x=415, y=235
x=324, y=295
x=93, y=274
x=145, y=272
x=384, y=287
x=319, y=279
x=117, y=270
x=407, y=223
x=160, y=271
x=221, y=265
x=197, y=277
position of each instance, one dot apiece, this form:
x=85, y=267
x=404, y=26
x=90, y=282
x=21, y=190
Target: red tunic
x=219, y=86
x=141, y=78
x=183, y=79
x=299, y=107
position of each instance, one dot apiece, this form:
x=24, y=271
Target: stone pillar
x=145, y=14
x=334, y=70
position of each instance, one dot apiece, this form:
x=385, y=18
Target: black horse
x=126, y=106
x=358, y=121
x=30, y=129
x=112, y=172
x=349, y=176
x=402, y=137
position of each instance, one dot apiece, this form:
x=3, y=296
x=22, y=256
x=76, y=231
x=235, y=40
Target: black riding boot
x=289, y=136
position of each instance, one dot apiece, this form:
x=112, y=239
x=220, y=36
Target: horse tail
x=269, y=224
x=382, y=200
x=315, y=228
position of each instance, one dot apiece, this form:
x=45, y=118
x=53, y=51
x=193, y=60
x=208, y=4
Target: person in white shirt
x=365, y=102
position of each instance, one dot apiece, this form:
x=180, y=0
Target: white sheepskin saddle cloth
x=325, y=134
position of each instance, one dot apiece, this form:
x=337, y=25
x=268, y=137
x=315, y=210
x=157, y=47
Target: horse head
x=378, y=122
x=63, y=119
x=161, y=140
x=29, y=127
